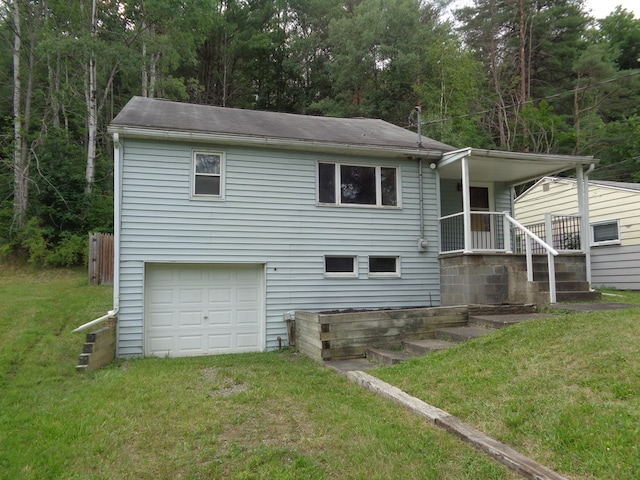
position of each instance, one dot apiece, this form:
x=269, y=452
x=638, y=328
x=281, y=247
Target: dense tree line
x=523, y=75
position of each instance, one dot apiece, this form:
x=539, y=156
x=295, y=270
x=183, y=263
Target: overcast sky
x=598, y=8
x=602, y=8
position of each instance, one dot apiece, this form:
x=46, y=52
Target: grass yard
x=564, y=391
x=276, y=415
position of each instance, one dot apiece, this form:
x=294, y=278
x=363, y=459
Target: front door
x=482, y=224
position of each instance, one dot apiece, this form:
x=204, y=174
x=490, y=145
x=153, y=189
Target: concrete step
x=501, y=321
x=424, y=347
x=461, y=334
x=543, y=286
x=582, y=296
x=387, y=357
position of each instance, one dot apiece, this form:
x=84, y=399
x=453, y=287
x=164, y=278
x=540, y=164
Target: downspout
x=117, y=193
x=422, y=242
x=586, y=224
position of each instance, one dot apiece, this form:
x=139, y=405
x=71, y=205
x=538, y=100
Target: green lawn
x=565, y=392
x=275, y=415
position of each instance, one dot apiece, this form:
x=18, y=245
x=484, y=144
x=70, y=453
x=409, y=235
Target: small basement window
x=384, y=266
x=207, y=174
x=340, y=266
x=605, y=233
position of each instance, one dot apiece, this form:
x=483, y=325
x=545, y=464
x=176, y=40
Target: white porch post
x=466, y=205
x=583, y=208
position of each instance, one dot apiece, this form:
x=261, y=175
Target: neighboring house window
x=207, y=174
x=605, y=233
x=384, y=266
x=340, y=184
x=340, y=266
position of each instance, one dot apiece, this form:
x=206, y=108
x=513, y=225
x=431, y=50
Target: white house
x=614, y=224
x=228, y=219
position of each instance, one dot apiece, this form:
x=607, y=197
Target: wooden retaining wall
x=333, y=336
x=99, y=348
x=101, y=258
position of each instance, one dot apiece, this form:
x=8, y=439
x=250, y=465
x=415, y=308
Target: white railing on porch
x=500, y=232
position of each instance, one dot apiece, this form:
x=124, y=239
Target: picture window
x=359, y=185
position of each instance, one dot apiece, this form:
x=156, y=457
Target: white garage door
x=203, y=309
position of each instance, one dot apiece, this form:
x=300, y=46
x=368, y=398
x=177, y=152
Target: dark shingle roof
x=163, y=115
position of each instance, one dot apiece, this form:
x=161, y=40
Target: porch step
x=582, y=296
x=563, y=286
x=461, y=334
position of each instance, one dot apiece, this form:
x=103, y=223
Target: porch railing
x=499, y=232
x=562, y=232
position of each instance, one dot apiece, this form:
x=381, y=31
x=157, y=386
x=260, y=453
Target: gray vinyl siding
x=616, y=266
x=269, y=216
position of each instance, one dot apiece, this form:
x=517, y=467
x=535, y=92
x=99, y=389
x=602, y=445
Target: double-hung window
x=605, y=233
x=208, y=169
x=343, y=184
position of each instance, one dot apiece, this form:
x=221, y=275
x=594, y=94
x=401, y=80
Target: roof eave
x=125, y=131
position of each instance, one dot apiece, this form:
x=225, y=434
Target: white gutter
x=268, y=142
x=535, y=157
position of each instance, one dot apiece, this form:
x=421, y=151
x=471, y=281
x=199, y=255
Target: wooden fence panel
x=101, y=258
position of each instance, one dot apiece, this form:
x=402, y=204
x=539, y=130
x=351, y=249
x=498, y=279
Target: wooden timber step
x=462, y=334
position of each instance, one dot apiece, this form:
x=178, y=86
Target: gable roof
x=153, y=118
x=635, y=187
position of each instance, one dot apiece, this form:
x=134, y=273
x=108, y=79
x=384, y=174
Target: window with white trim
x=208, y=168
x=380, y=266
x=340, y=266
x=605, y=233
x=359, y=185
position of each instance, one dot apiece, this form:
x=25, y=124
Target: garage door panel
x=249, y=295
x=191, y=344
x=219, y=342
x=161, y=320
x=248, y=317
x=191, y=296
x=190, y=319
x=220, y=295
x=203, y=309
x=161, y=296
x=247, y=342
x=191, y=274
x=221, y=318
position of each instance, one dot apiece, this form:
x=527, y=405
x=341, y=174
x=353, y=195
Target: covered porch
x=486, y=255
